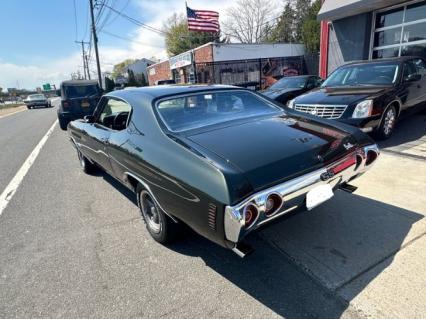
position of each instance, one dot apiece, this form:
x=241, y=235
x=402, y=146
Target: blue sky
x=37, y=38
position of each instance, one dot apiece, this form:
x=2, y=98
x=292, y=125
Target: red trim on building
x=323, y=66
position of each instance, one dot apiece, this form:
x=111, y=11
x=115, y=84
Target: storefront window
x=389, y=18
x=400, y=31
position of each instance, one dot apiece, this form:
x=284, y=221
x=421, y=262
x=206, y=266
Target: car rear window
x=36, y=97
x=81, y=91
x=208, y=108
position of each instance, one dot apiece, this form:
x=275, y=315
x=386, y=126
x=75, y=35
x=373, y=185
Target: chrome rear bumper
x=293, y=193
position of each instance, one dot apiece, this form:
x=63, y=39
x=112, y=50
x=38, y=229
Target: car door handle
x=105, y=141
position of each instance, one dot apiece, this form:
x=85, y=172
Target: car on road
x=36, y=100
x=78, y=98
x=221, y=159
x=370, y=95
x=288, y=88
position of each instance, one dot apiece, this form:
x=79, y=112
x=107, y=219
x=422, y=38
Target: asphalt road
x=74, y=246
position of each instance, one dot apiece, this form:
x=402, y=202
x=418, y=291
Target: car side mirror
x=89, y=119
x=413, y=78
x=310, y=86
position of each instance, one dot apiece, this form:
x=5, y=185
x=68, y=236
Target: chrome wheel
x=389, y=121
x=150, y=212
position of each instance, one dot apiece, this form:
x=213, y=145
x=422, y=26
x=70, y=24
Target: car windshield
x=208, y=108
x=289, y=83
x=36, y=97
x=385, y=73
x=76, y=91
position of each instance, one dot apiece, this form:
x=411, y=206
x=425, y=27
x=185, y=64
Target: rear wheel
x=387, y=125
x=160, y=226
x=85, y=164
x=63, y=123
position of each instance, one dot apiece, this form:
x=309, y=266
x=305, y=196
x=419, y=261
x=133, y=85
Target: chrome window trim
x=177, y=96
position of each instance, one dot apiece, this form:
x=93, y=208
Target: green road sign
x=46, y=87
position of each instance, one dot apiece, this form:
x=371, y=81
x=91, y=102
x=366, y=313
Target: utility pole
x=86, y=57
x=83, y=55
x=95, y=43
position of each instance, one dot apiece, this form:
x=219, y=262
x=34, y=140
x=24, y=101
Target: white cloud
x=144, y=43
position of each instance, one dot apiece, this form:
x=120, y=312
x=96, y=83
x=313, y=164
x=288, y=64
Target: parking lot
x=74, y=245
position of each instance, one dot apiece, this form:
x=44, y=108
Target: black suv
x=78, y=99
x=369, y=94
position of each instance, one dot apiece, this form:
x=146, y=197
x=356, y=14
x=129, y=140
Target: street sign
x=46, y=87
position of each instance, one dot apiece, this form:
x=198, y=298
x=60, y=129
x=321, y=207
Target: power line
x=117, y=15
x=137, y=22
x=129, y=40
x=75, y=20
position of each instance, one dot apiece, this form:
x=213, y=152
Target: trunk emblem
x=348, y=146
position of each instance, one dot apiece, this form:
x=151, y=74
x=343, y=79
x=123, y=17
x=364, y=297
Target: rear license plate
x=85, y=104
x=318, y=195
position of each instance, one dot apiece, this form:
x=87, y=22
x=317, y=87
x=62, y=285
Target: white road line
x=10, y=189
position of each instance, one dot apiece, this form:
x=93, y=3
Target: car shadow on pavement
x=410, y=130
x=309, y=264
x=343, y=246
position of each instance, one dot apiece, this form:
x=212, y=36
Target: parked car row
x=370, y=95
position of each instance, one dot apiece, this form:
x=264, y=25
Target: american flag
x=202, y=20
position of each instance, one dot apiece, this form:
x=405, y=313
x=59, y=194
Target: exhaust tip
x=371, y=157
x=242, y=249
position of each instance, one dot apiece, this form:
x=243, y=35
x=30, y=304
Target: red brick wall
x=204, y=54
x=162, y=72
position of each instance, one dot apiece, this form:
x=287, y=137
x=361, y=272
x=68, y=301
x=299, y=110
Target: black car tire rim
x=150, y=212
x=389, y=121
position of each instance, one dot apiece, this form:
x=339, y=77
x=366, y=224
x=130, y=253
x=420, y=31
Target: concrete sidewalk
x=368, y=247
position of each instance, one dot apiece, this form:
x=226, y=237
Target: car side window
x=114, y=114
x=311, y=83
x=420, y=66
x=409, y=69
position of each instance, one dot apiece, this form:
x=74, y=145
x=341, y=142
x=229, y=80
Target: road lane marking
x=11, y=188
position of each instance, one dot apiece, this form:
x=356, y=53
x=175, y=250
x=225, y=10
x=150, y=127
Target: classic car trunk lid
x=272, y=150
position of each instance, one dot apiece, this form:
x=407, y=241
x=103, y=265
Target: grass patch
x=9, y=106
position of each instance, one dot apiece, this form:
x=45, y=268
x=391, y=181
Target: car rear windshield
x=76, y=91
x=289, y=83
x=37, y=97
x=208, y=108
x=385, y=73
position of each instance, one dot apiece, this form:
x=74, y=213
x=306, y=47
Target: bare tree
x=248, y=20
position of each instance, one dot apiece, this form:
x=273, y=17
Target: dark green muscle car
x=220, y=159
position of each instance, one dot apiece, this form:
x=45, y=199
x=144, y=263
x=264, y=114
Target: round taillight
x=273, y=204
x=371, y=157
x=250, y=215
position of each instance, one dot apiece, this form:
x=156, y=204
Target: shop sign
x=180, y=60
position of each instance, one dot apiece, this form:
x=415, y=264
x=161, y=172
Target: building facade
x=370, y=29
x=249, y=65
x=140, y=67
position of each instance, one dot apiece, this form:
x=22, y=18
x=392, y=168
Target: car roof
x=79, y=82
x=160, y=91
x=396, y=59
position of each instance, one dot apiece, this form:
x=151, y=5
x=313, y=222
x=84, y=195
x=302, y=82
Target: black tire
x=387, y=125
x=63, y=123
x=29, y=107
x=160, y=226
x=87, y=166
